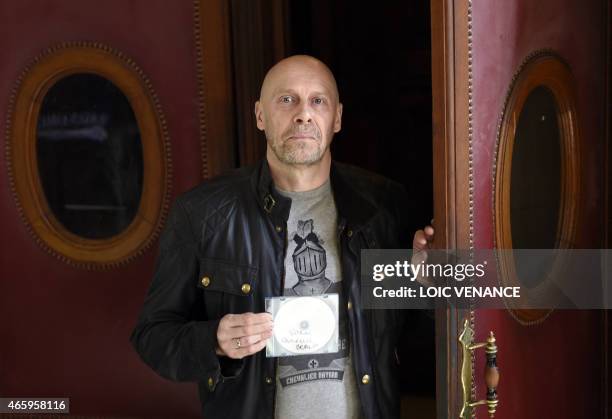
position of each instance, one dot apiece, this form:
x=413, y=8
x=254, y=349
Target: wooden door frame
x=213, y=62
x=453, y=188
x=607, y=240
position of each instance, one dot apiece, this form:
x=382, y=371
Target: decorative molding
x=197, y=35
x=472, y=313
x=24, y=104
x=541, y=67
x=215, y=92
x=470, y=131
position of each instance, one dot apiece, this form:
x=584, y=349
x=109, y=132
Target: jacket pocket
x=227, y=287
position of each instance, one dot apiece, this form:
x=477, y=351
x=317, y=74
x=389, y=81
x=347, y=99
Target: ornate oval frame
x=541, y=68
x=26, y=99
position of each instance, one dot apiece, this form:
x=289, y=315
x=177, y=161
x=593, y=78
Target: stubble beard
x=298, y=151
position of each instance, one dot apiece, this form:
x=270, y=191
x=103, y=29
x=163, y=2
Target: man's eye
x=286, y=99
x=317, y=101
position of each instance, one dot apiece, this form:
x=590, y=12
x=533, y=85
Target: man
x=293, y=225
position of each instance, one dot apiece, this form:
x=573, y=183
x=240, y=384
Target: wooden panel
x=212, y=30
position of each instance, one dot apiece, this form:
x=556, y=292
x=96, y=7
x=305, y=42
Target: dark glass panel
x=90, y=156
x=535, y=187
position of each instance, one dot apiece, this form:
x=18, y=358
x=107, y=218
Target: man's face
x=299, y=112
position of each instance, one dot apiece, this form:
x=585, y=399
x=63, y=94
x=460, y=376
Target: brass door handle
x=491, y=372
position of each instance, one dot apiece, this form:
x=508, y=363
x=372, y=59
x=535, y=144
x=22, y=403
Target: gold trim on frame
x=541, y=68
x=34, y=82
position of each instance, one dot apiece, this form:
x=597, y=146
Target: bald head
x=299, y=110
x=279, y=75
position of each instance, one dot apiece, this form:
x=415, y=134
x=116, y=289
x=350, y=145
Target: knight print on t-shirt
x=309, y=261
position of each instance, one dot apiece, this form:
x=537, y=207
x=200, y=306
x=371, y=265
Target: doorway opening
x=381, y=57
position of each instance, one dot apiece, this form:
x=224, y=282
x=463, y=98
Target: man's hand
x=241, y=335
x=422, y=239
x=421, y=242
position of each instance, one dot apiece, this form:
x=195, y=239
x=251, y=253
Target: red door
x=67, y=311
x=552, y=363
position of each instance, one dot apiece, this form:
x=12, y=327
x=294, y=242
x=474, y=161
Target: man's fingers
x=239, y=331
x=420, y=244
x=246, y=341
x=226, y=332
x=236, y=325
x=422, y=238
x=252, y=339
x=246, y=348
x=252, y=349
x=247, y=319
x=429, y=232
x=420, y=241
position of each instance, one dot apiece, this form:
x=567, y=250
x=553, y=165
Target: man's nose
x=302, y=115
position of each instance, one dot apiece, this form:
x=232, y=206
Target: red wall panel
x=64, y=331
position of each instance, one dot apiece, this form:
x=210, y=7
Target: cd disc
x=304, y=325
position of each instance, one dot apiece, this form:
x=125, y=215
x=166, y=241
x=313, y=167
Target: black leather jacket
x=233, y=230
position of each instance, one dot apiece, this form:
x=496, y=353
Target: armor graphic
x=309, y=261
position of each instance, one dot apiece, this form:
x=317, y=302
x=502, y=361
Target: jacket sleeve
x=171, y=335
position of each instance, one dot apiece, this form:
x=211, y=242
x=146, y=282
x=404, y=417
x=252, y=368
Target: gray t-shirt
x=323, y=385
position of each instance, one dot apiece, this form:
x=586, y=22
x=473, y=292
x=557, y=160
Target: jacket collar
x=352, y=206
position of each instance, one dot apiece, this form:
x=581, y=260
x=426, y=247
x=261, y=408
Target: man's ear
x=259, y=116
x=338, y=118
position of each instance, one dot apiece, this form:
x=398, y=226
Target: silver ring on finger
x=237, y=343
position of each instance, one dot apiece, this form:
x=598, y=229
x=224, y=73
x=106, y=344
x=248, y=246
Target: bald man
x=293, y=225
